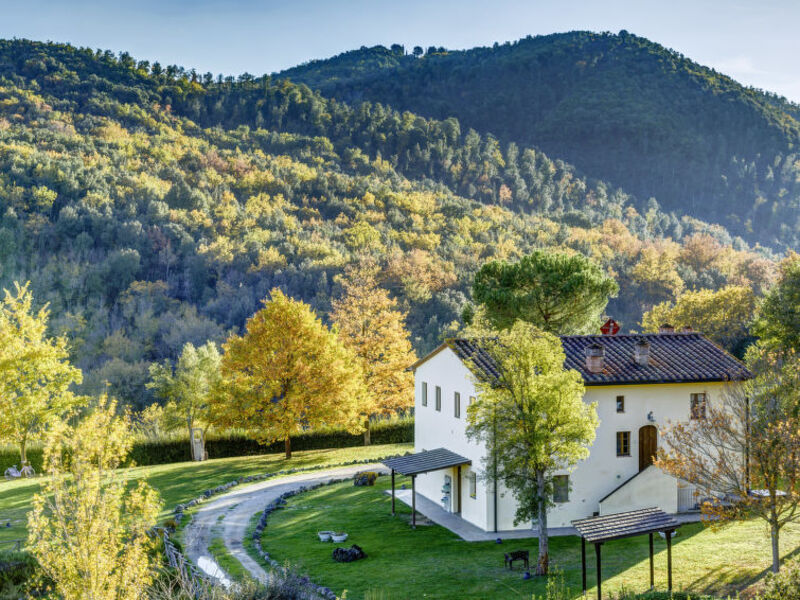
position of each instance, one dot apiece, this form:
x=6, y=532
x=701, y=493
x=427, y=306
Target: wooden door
x=648, y=444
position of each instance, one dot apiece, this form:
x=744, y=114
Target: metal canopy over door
x=648, y=444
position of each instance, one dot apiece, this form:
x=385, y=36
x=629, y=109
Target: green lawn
x=431, y=562
x=180, y=482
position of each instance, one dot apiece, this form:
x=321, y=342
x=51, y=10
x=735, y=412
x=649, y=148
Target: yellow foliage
x=87, y=529
x=288, y=372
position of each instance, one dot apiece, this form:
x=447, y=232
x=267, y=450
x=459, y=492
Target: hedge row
x=158, y=452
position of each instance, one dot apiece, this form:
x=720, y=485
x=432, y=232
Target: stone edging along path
x=253, y=567
x=280, y=502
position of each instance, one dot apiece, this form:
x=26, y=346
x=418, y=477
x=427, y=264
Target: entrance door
x=648, y=444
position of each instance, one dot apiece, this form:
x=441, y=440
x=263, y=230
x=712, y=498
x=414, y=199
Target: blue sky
x=757, y=43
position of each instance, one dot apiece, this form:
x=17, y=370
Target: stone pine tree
x=371, y=325
x=533, y=420
x=188, y=388
x=35, y=373
x=288, y=373
x=558, y=292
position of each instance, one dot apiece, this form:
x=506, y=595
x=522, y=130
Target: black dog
x=516, y=555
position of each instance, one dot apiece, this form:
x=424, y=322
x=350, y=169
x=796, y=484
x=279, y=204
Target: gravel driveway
x=227, y=516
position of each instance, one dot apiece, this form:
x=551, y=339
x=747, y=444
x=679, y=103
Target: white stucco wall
x=441, y=429
x=651, y=487
x=591, y=480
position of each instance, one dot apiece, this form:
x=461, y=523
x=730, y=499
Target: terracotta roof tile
x=674, y=358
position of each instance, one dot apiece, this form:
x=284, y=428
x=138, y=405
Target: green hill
x=151, y=206
x=618, y=107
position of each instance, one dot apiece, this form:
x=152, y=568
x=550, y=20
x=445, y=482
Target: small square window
x=697, y=406
x=424, y=394
x=438, y=398
x=457, y=405
x=620, y=404
x=473, y=485
x=623, y=443
x=561, y=488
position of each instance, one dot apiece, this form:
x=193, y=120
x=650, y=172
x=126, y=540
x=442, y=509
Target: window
x=457, y=405
x=620, y=404
x=438, y=398
x=623, y=443
x=473, y=485
x=697, y=406
x=561, y=488
x=424, y=394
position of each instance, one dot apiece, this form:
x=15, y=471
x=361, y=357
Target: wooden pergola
x=597, y=530
x=424, y=462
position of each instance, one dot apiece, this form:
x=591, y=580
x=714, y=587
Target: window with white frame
x=424, y=393
x=473, y=485
x=438, y=398
x=457, y=404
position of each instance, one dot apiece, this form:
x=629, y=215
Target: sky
x=756, y=43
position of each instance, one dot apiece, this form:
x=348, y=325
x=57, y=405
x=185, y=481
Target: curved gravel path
x=227, y=516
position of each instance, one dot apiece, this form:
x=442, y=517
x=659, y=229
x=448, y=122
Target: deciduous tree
x=779, y=319
x=559, y=293
x=724, y=315
x=371, y=325
x=745, y=454
x=189, y=387
x=88, y=527
x=533, y=420
x=287, y=373
x=35, y=373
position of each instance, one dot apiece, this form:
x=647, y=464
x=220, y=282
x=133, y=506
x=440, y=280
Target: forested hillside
x=151, y=206
x=618, y=107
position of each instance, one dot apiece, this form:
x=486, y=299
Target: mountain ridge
x=618, y=107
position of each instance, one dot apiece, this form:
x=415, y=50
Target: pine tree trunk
x=288, y=445
x=543, y=562
x=367, y=440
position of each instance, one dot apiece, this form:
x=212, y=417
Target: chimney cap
x=642, y=342
x=666, y=328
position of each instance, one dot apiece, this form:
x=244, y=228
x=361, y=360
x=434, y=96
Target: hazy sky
x=755, y=42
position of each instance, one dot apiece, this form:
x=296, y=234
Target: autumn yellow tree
x=723, y=315
x=744, y=454
x=288, y=373
x=371, y=325
x=88, y=527
x=35, y=374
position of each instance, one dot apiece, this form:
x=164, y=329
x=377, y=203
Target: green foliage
x=147, y=452
x=533, y=420
x=779, y=320
x=784, y=585
x=557, y=292
x=619, y=107
x=179, y=204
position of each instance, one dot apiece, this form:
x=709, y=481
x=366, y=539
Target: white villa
x=640, y=382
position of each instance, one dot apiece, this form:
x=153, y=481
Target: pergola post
x=599, y=575
x=652, y=576
x=458, y=482
x=413, y=503
x=669, y=560
x=393, y=513
x=583, y=564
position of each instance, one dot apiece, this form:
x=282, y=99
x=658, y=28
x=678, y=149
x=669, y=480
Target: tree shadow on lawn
x=728, y=579
x=432, y=561
x=15, y=501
